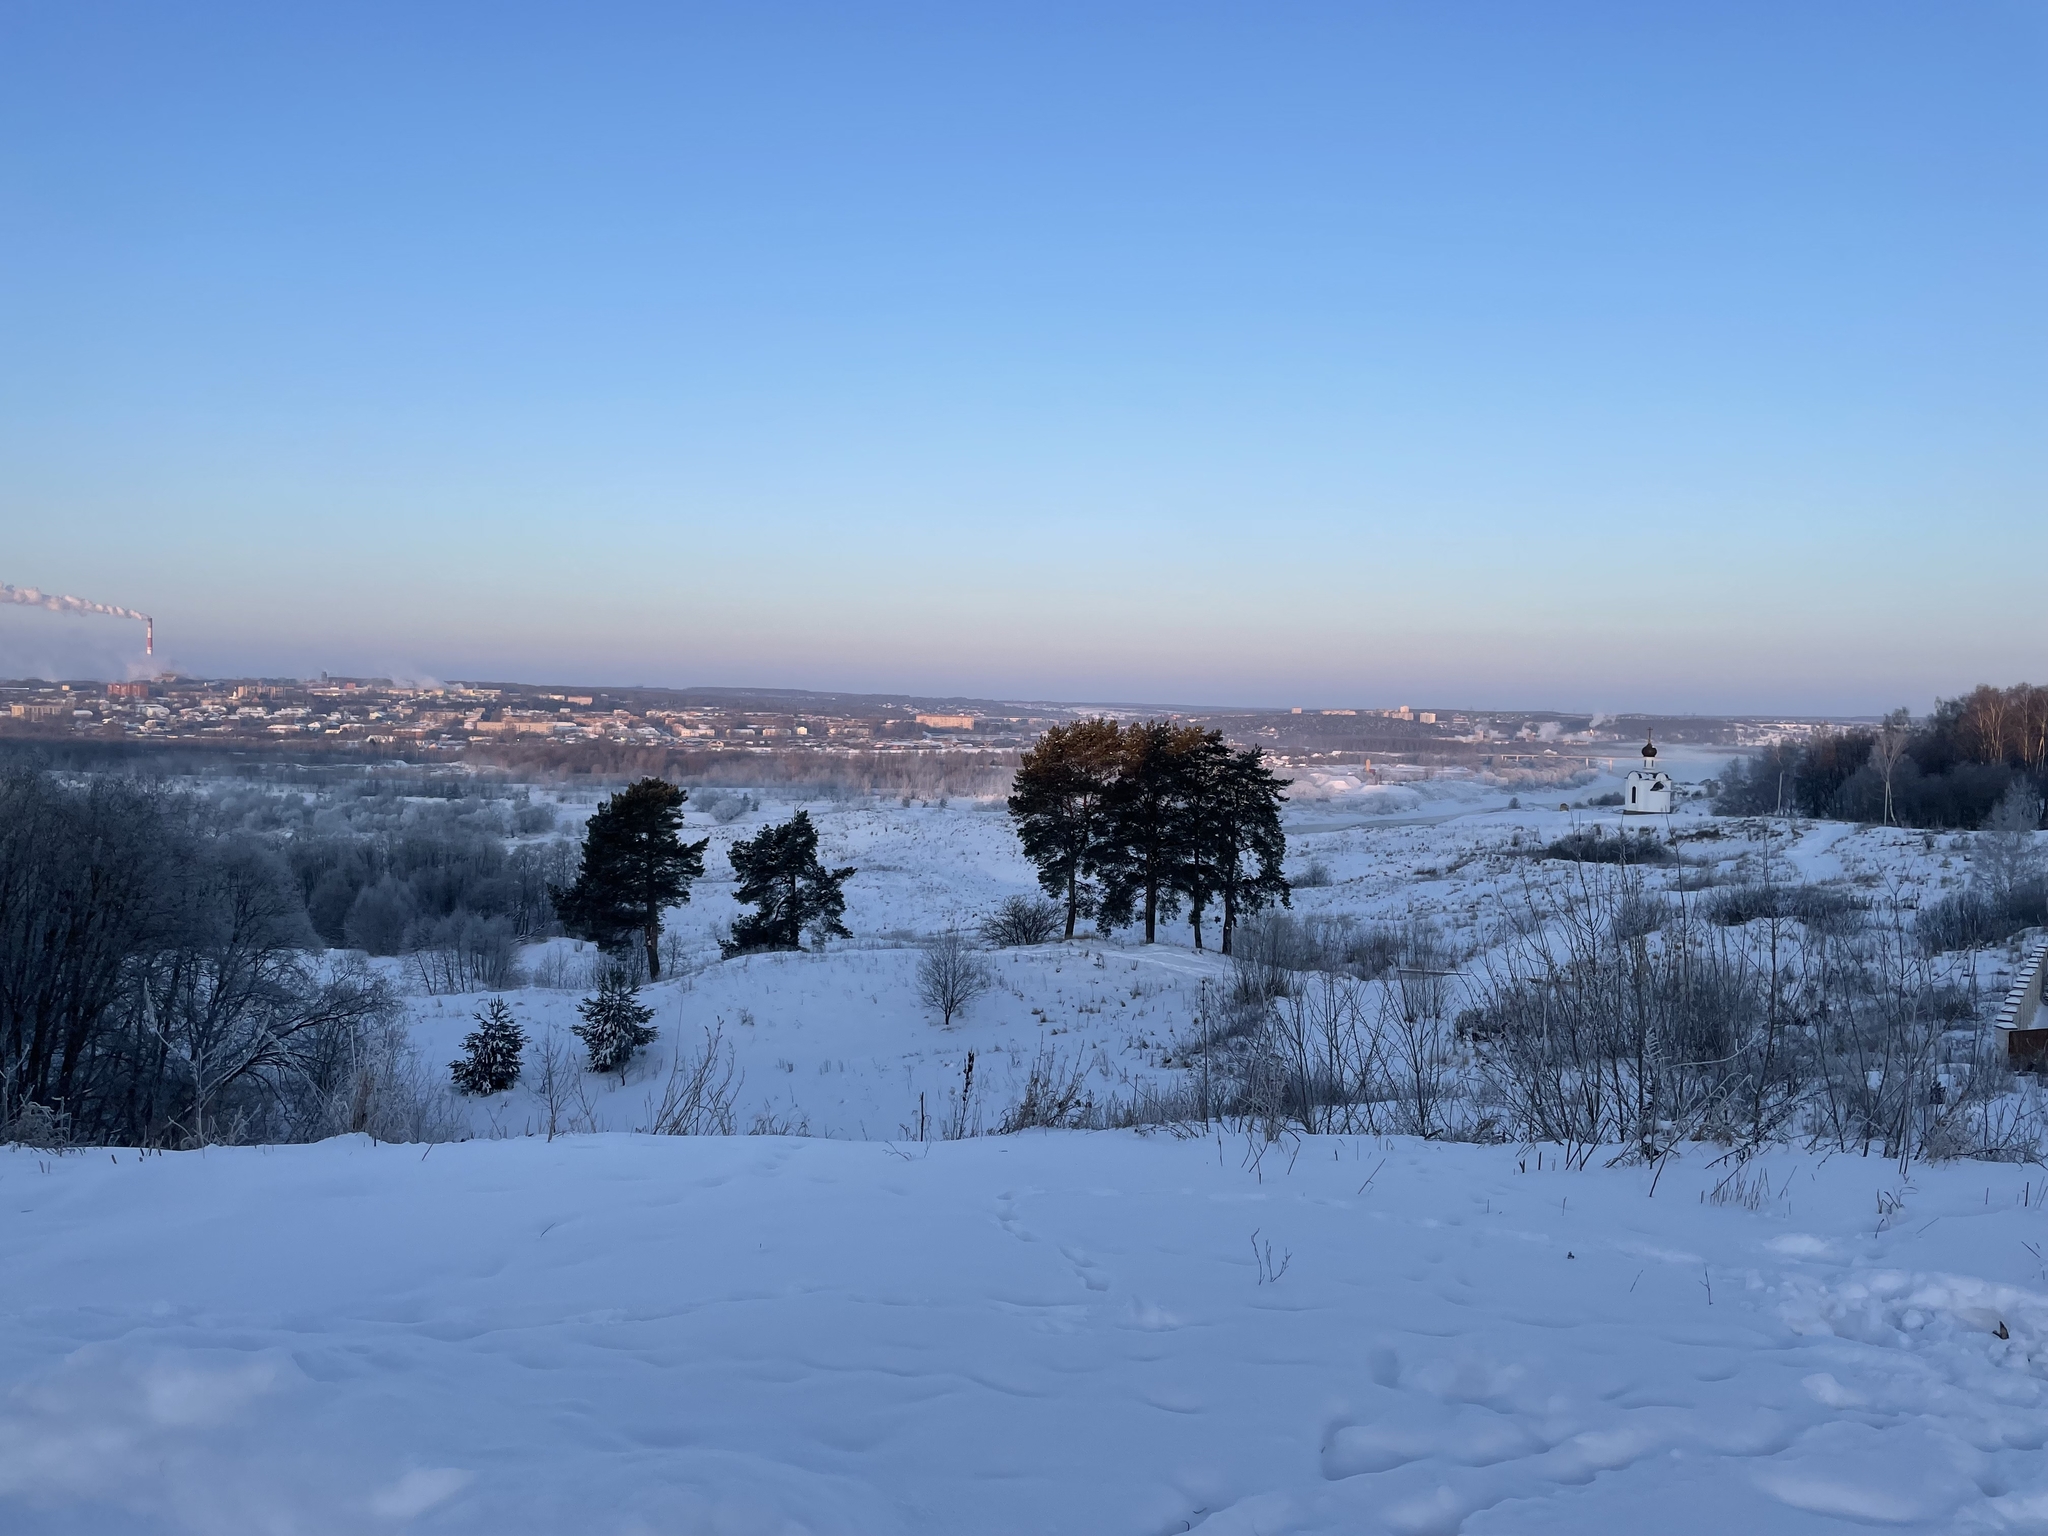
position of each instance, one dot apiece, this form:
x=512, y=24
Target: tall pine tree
x=635, y=863
x=1247, y=847
x=1059, y=803
x=1150, y=823
x=780, y=876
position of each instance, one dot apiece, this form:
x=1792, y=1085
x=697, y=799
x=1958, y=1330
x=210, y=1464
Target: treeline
x=824, y=775
x=1136, y=823
x=159, y=987
x=1951, y=769
x=439, y=883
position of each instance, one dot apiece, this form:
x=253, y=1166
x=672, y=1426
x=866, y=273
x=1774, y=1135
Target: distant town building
x=128, y=690
x=947, y=722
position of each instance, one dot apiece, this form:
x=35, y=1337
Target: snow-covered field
x=1043, y=1333
x=855, y=1331
x=836, y=1043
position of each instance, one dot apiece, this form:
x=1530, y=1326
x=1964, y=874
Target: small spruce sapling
x=491, y=1062
x=615, y=1024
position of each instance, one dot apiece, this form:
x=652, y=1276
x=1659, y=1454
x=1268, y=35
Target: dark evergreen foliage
x=780, y=876
x=1151, y=832
x=1237, y=848
x=615, y=1024
x=635, y=863
x=1059, y=804
x=490, y=1059
x=1131, y=822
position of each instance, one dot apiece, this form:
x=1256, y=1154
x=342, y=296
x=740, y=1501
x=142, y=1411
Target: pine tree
x=491, y=1062
x=1206, y=844
x=1247, y=845
x=1059, y=804
x=780, y=876
x=615, y=1024
x=1150, y=832
x=635, y=863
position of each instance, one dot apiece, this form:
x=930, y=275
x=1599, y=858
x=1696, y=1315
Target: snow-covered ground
x=836, y=1042
x=853, y=1331
x=1052, y=1332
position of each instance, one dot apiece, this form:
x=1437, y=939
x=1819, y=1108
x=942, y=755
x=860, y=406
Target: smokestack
x=149, y=637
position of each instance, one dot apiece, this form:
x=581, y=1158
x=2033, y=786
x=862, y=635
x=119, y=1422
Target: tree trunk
x=1073, y=896
x=653, y=932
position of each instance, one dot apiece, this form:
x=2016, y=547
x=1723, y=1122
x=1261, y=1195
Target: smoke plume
x=34, y=597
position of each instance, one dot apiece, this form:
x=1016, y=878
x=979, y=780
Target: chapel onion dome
x=1649, y=751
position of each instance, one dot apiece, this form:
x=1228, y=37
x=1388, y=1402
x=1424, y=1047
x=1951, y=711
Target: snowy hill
x=1040, y=1333
x=857, y=1330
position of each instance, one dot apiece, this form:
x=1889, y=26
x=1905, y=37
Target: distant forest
x=1952, y=768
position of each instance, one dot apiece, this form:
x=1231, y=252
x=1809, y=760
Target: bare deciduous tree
x=1885, y=753
x=951, y=975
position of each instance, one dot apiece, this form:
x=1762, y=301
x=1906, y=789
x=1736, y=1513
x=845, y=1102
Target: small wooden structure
x=1647, y=790
x=2026, y=1032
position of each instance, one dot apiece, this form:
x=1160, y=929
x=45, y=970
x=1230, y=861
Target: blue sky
x=1677, y=357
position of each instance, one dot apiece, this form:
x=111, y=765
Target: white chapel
x=1647, y=790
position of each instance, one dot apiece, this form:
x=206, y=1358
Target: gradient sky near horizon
x=1577, y=355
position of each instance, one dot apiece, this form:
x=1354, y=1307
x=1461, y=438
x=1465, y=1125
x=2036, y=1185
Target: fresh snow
x=616, y=1333
x=1045, y=1333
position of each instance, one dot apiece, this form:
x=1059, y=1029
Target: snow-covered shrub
x=723, y=806
x=1055, y=1097
x=1022, y=920
x=1270, y=949
x=1591, y=845
x=1314, y=875
x=1819, y=907
x=1639, y=913
x=697, y=1099
x=490, y=1059
x=1979, y=916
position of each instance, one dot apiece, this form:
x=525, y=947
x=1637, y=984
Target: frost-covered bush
x=1819, y=907
x=1055, y=1097
x=723, y=806
x=1591, y=845
x=1313, y=875
x=1022, y=920
x=1979, y=916
x=1270, y=949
